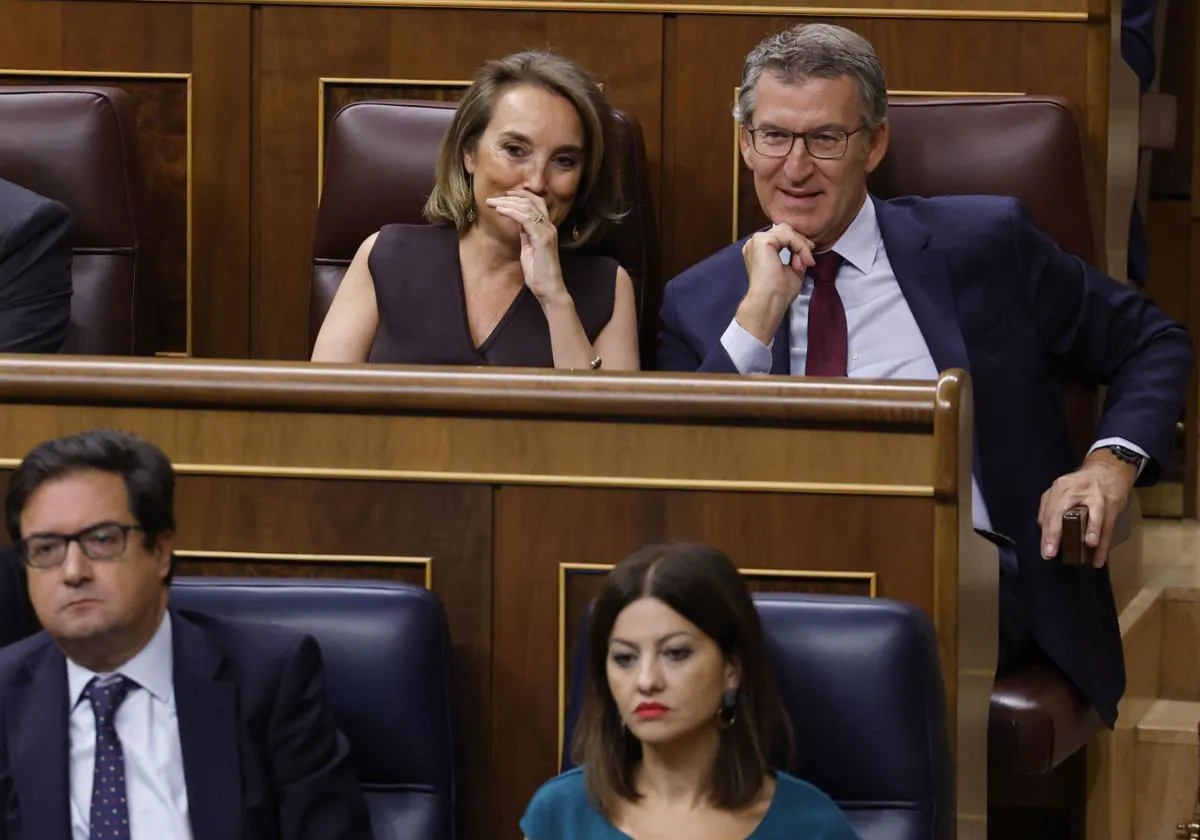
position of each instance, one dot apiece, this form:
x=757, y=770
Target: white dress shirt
x=883, y=338
x=148, y=728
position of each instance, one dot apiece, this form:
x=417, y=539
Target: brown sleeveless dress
x=423, y=309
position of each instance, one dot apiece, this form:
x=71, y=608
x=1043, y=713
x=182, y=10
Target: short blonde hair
x=598, y=201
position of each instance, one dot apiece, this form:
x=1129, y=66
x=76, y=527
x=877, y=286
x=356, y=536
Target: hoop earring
x=728, y=711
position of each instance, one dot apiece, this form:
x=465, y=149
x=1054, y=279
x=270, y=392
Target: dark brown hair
x=146, y=471
x=703, y=585
x=599, y=198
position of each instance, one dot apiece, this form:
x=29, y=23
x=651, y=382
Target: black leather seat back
x=386, y=651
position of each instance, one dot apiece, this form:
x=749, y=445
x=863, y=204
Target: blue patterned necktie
x=110, y=811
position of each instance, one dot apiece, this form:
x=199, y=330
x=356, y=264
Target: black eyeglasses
x=825, y=143
x=105, y=541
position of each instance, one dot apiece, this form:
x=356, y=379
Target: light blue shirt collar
x=152, y=668
x=859, y=245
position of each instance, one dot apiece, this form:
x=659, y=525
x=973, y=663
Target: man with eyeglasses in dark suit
x=125, y=719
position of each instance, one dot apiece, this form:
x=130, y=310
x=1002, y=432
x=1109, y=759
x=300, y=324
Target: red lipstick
x=650, y=711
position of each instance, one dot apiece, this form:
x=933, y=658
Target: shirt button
x=854, y=357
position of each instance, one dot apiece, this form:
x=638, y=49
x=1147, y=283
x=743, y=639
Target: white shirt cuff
x=749, y=355
x=1116, y=441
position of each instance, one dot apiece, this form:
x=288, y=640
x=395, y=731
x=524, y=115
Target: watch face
x=1126, y=454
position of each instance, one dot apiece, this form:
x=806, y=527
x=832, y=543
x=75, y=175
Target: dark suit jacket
x=1137, y=39
x=262, y=756
x=35, y=271
x=995, y=296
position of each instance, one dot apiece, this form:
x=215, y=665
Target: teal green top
x=560, y=810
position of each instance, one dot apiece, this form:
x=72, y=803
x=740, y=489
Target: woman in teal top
x=682, y=730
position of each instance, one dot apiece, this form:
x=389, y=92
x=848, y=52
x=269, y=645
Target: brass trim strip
x=322, y=81
x=738, y=163
x=564, y=568
x=446, y=477
x=737, y=148
x=827, y=488
x=95, y=74
x=561, y=699
x=871, y=578
x=1032, y=15
x=188, y=135
x=426, y=562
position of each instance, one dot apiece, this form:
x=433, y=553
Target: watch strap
x=1129, y=456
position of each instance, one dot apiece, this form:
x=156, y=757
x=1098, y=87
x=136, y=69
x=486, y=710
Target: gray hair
x=816, y=51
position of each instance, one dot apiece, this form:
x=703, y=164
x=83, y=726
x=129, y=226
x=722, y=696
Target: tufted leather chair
x=861, y=683
x=78, y=145
x=1032, y=148
x=386, y=651
x=379, y=169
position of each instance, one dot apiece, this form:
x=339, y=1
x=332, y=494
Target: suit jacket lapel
x=207, y=710
x=924, y=279
x=37, y=721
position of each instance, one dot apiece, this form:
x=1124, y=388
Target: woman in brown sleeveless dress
x=526, y=175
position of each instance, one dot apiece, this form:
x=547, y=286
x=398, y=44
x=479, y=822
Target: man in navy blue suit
x=844, y=284
x=126, y=720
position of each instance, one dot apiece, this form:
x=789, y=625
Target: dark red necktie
x=826, y=320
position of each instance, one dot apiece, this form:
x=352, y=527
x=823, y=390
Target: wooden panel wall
x=240, y=173
x=483, y=491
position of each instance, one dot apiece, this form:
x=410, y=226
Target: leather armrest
x=1036, y=721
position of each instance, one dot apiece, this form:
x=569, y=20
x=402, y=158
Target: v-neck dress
x=560, y=810
x=423, y=309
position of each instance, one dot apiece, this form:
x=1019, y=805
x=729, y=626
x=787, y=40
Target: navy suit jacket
x=262, y=756
x=35, y=271
x=995, y=296
x=1137, y=39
